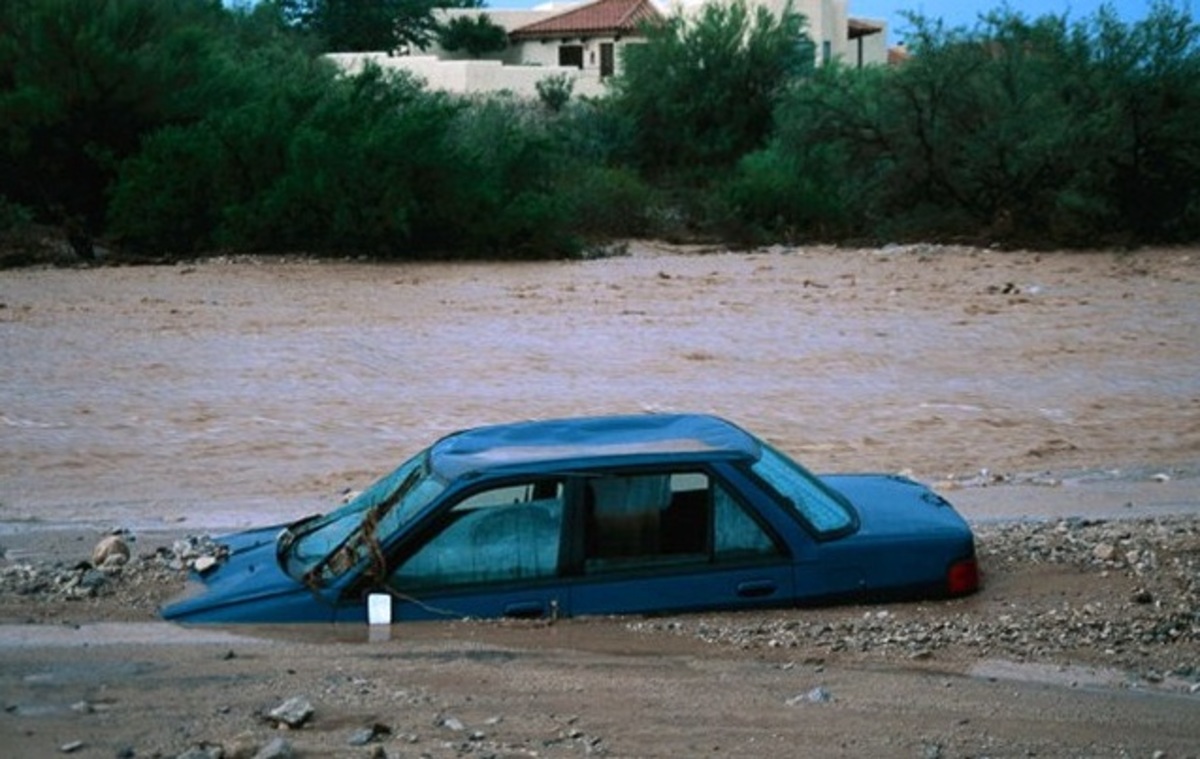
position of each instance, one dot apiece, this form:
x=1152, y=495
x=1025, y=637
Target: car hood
x=893, y=505
x=248, y=575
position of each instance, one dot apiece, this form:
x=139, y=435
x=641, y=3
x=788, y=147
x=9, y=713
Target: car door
x=670, y=541
x=496, y=552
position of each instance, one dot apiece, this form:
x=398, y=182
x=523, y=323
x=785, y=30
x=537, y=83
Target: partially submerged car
x=606, y=515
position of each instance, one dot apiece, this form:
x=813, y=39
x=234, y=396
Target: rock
x=1104, y=552
x=294, y=712
x=204, y=751
x=365, y=735
x=243, y=746
x=70, y=748
x=204, y=563
x=452, y=723
x=277, y=748
x=111, y=549
x=817, y=695
x=93, y=580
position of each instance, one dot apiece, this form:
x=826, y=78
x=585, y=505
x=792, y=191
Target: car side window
x=498, y=535
x=666, y=519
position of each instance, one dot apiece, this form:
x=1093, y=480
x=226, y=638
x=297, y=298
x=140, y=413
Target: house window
x=570, y=55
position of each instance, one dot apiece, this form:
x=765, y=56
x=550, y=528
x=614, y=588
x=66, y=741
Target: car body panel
x=603, y=515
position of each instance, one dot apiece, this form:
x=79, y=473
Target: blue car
x=637, y=514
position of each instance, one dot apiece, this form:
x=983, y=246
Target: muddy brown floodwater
x=235, y=392
x=232, y=392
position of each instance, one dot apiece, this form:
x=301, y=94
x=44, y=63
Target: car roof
x=590, y=441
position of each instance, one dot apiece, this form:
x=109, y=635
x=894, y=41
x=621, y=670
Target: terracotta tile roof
x=603, y=17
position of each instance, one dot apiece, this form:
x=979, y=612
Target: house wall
x=522, y=65
x=874, y=48
x=472, y=76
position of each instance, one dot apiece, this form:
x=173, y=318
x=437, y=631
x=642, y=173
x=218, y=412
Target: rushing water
x=233, y=394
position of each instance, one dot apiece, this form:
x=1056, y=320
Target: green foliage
x=84, y=80
x=172, y=127
x=1028, y=131
x=701, y=91
x=13, y=215
x=555, y=91
x=507, y=171
x=369, y=25
x=474, y=35
x=344, y=176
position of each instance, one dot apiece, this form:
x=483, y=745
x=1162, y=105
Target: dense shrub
x=83, y=81
x=700, y=93
x=172, y=127
x=1029, y=131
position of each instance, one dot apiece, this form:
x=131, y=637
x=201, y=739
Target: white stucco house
x=584, y=41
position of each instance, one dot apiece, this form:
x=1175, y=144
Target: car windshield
x=816, y=504
x=385, y=506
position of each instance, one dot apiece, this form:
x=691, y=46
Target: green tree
x=369, y=25
x=358, y=168
x=475, y=35
x=1033, y=131
x=701, y=91
x=83, y=81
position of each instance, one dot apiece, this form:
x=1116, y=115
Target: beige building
x=584, y=41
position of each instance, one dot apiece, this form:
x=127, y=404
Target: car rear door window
x=666, y=519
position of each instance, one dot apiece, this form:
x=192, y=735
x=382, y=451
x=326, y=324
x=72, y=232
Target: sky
x=967, y=12
x=962, y=12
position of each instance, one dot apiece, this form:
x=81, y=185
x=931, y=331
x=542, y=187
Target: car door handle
x=756, y=588
x=525, y=610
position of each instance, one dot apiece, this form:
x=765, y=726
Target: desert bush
x=85, y=80
x=555, y=91
x=1030, y=131
x=475, y=36
x=502, y=198
x=701, y=91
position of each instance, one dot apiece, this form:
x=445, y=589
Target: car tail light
x=963, y=577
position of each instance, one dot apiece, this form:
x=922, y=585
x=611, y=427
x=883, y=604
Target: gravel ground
x=1121, y=593
x=1091, y=606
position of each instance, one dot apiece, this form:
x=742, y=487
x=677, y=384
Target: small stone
x=452, y=723
x=294, y=712
x=817, y=695
x=111, y=548
x=204, y=564
x=70, y=748
x=243, y=746
x=277, y=748
x=365, y=735
x=1104, y=552
x=203, y=751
